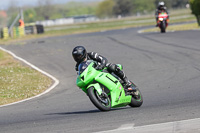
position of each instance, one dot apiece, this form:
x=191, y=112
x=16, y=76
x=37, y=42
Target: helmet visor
x=78, y=57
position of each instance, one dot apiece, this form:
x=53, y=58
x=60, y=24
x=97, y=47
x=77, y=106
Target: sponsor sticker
x=120, y=88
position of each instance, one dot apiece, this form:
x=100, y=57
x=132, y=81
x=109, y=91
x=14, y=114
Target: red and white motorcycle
x=163, y=21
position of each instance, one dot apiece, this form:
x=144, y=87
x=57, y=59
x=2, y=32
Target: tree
x=173, y=3
x=29, y=15
x=79, y=8
x=12, y=12
x=123, y=7
x=105, y=9
x=3, y=19
x=143, y=6
x=179, y=3
x=194, y=5
x=45, y=9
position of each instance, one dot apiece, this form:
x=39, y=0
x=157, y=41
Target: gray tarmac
x=166, y=68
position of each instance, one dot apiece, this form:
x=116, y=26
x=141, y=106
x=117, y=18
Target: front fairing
x=86, y=76
x=162, y=16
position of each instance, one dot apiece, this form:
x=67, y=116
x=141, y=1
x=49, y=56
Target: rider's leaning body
x=80, y=54
x=161, y=8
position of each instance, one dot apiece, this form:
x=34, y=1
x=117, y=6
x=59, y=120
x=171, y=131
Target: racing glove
x=99, y=67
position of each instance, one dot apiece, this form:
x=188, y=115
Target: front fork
x=97, y=87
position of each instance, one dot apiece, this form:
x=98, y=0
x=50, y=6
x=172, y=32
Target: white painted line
x=187, y=126
x=56, y=81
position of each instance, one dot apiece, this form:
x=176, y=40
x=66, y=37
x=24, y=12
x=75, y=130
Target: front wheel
x=163, y=27
x=137, y=99
x=102, y=102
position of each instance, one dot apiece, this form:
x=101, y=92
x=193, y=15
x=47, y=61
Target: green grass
x=18, y=82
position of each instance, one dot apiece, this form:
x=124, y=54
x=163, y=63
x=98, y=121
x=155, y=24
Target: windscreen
x=83, y=66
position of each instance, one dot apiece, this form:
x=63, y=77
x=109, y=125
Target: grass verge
x=181, y=27
x=18, y=82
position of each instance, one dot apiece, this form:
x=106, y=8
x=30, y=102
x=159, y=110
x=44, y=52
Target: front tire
x=102, y=102
x=163, y=27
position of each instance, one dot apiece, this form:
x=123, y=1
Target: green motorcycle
x=105, y=90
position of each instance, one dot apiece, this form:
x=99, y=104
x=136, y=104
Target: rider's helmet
x=79, y=53
x=161, y=5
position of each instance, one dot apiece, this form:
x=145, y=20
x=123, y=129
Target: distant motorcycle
x=163, y=21
x=105, y=90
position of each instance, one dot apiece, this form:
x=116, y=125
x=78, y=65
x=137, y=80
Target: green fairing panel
x=103, y=79
x=79, y=82
x=97, y=87
x=118, y=97
x=86, y=77
x=121, y=100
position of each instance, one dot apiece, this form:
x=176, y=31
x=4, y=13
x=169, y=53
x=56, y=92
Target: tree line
x=108, y=8
x=46, y=9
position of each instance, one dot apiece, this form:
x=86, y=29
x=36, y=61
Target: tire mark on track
x=169, y=44
x=139, y=49
x=196, y=68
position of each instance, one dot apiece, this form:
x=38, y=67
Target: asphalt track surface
x=166, y=68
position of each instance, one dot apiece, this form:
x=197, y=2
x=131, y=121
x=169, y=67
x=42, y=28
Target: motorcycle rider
x=161, y=8
x=80, y=54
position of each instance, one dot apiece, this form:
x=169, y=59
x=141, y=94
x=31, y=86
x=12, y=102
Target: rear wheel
x=102, y=102
x=137, y=99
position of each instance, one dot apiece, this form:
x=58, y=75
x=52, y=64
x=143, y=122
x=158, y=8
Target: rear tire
x=136, y=101
x=102, y=102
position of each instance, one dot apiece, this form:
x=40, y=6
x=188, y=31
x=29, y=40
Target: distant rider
x=80, y=54
x=161, y=8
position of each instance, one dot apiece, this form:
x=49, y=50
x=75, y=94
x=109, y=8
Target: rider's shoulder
x=92, y=53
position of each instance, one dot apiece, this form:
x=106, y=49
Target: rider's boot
x=157, y=23
x=128, y=85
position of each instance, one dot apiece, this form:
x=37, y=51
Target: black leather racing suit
x=104, y=63
x=159, y=10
